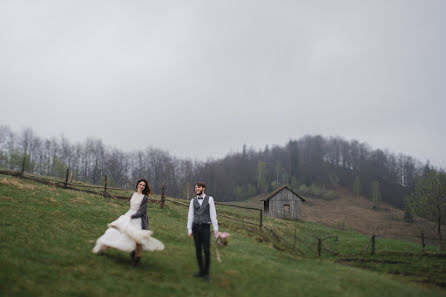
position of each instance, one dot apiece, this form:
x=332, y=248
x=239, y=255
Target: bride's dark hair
x=147, y=190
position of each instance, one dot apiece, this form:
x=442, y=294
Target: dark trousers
x=202, y=239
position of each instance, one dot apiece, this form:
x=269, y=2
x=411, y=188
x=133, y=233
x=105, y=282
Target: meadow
x=47, y=233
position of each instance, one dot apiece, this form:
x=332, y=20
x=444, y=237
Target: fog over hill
x=202, y=78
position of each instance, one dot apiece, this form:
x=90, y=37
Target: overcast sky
x=202, y=78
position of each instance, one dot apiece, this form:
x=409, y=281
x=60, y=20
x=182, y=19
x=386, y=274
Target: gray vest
x=201, y=213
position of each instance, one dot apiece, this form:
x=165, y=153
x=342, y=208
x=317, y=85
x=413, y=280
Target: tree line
x=311, y=160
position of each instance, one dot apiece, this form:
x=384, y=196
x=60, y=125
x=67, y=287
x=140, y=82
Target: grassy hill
x=47, y=233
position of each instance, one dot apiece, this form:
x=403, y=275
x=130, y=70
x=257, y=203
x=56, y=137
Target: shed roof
x=280, y=189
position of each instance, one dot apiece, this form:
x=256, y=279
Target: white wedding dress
x=125, y=232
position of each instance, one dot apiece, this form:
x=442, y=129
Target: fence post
x=294, y=245
x=373, y=244
x=422, y=242
x=163, y=195
x=105, y=186
x=261, y=218
x=319, y=246
x=66, y=178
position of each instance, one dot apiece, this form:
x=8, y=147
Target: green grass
x=46, y=237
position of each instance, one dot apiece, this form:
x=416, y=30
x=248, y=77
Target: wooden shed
x=283, y=203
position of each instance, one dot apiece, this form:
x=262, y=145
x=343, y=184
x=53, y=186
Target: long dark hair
x=147, y=190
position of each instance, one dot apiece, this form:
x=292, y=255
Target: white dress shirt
x=212, y=212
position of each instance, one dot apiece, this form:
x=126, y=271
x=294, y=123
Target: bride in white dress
x=130, y=232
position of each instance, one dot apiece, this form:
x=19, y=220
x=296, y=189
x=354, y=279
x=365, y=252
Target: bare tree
x=6, y=137
x=26, y=142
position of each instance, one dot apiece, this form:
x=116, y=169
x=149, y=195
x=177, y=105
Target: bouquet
x=221, y=240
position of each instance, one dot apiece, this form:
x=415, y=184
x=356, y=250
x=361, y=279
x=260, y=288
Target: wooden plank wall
x=277, y=205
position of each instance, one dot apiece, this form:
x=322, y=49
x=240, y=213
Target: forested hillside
x=322, y=162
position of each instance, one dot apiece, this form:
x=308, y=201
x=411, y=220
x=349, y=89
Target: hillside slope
x=351, y=213
x=46, y=237
x=357, y=214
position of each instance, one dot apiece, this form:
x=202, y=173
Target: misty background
x=202, y=78
x=245, y=95
x=202, y=87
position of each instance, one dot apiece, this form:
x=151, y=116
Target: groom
x=201, y=214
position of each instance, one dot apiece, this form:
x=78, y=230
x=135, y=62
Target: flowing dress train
x=125, y=232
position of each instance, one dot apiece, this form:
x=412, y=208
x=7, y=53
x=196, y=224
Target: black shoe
x=206, y=277
x=136, y=261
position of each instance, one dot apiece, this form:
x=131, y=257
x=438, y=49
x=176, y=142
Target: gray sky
x=202, y=78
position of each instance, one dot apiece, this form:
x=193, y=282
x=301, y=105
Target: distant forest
x=311, y=161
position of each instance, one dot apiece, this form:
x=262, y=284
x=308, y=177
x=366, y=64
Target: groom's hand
x=189, y=234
